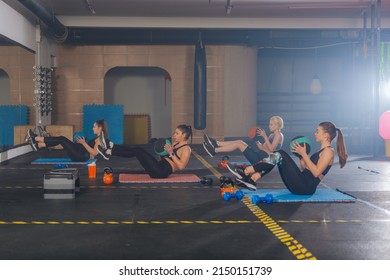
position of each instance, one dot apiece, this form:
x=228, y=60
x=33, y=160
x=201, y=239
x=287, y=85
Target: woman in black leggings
x=79, y=150
x=177, y=159
x=271, y=143
x=314, y=168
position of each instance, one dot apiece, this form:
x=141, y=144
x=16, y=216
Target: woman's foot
x=31, y=134
x=211, y=141
x=33, y=144
x=238, y=172
x=31, y=139
x=247, y=183
x=209, y=149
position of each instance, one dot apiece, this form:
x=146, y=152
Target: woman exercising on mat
x=177, y=159
x=271, y=143
x=314, y=168
x=79, y=150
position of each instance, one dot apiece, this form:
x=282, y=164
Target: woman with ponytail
x=177, y=159
x=80, y=150
x=313, y=169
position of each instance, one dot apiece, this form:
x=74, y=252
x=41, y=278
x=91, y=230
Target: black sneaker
x=234, y=170
x=33, y=144
x=31, y=134
x=249, y=184
x=209, y=149
x=105, y=153
x=103, y=139
x=211, y=141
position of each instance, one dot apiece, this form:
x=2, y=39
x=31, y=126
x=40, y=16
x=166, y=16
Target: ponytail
x=332, y=130
x=341, y=148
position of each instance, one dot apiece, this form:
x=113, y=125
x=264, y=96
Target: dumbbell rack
x=43, y=91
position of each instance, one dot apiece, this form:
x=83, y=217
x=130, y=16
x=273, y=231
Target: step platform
x=61, y=183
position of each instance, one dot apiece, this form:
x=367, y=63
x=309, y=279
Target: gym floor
x=190, y=221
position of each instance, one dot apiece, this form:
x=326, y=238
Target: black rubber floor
x=190, y=221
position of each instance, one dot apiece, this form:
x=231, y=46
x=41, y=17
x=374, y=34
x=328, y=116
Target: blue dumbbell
x=268, y=198
x=238, y=195
x=60, y=166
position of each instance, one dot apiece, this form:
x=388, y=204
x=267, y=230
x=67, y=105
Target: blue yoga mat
x=321, y=195
x=60, y=161
x=240, y=163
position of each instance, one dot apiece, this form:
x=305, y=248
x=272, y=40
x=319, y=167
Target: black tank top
x=175, y=150
x=316, y=156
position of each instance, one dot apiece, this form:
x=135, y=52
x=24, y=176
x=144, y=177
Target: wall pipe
x=55, y=27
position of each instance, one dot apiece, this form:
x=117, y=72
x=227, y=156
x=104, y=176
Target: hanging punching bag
x=200, y=77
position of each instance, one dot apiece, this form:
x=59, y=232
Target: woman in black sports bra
x=314, y=168
x=178, y=154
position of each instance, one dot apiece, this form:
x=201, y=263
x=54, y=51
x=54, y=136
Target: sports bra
x=316, y=156
x=175, y=151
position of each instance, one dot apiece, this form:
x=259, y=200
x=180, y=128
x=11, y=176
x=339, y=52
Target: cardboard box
x=20, y=133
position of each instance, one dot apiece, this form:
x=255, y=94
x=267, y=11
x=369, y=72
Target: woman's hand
x=296, y=148
x=80, y=140
x=168, y=148
x=261, y=132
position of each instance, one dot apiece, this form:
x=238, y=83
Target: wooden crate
x=20, y=133
x=60, y=130
x=136, y=128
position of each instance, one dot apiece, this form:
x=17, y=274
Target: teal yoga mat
x=60, y=161
x=240, y=163
x=321, y=195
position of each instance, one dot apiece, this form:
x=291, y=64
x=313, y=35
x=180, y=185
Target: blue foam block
x=321, y=195
x=113, y=115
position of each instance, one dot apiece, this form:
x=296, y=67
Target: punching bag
x=200, y=86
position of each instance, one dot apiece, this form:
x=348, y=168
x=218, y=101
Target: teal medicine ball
x=159, y=146
x=77, y=135
x=301, y=140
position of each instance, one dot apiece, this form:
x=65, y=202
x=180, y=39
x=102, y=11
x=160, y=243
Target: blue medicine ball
x=301, y=140
x=159, y=146
x=77, y=135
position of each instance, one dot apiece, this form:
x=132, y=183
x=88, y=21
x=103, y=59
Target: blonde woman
x=271, y=143
x=301, y=180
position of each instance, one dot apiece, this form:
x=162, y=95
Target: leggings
x=75, y=151
x=152, y=166
x=253, y=156
x=296, y=181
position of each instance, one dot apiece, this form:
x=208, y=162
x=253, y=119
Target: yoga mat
x=145, y=178
x=321, y=195
x=60, y=161
x=240, y=163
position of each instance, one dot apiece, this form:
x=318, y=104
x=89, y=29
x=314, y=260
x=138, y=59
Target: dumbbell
x=224, y=162
x=268, y=198
x=225, y=181
x=238, y=195
x=206, y=181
